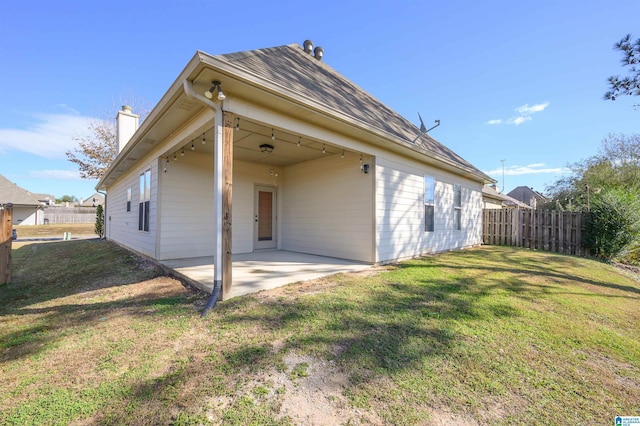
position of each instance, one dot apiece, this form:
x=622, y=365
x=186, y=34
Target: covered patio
x=262, y=270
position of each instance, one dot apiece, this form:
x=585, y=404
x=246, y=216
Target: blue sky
x=519, y=81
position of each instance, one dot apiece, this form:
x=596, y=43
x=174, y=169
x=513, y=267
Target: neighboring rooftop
x=12, y=193
x=527, y=195
x=491, y=192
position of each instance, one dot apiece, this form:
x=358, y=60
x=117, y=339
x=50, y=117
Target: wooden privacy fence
x=549, y=230
x=6, y=226
x=54, y=214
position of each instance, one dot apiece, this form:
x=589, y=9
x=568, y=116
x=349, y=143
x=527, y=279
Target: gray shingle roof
x=289, y=66
x=12, y=193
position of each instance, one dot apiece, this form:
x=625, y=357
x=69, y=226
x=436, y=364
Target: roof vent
x=308, y=46
x=318, y=52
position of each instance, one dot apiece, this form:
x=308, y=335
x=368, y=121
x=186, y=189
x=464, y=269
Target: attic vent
x=308, y=46
x=318, y=52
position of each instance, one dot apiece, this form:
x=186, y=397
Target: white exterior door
x=265, y=219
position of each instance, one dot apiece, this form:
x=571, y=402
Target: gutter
x=217, y=193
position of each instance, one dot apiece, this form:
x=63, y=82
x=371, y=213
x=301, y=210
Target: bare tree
x=95, y=152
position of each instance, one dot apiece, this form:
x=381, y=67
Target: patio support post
x=227, y=192
x=217, y=193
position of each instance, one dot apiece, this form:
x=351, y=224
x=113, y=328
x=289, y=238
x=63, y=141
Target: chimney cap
x=127, y=108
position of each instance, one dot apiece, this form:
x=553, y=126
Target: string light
x=174, y=157
x=361, y=164
x=273, y=136
x=324, y=151
x=193, y=148
x=342, y=156
x=299, y=139
x=182, y=152
x=238, y=123
x=204, y=141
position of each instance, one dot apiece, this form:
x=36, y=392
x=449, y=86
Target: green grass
x=493, y=335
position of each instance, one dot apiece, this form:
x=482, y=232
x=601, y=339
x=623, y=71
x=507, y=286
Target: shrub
x=99, y=228
x=613, y=227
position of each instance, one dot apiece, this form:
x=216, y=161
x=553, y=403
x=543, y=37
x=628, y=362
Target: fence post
x=6, y=236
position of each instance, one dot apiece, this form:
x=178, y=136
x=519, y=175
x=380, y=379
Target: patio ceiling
x=248, y=137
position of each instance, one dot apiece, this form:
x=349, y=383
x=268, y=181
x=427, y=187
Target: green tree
x=615, y=166
x=630, y=84
x=99, y=228
x=608, y=186
x=66, y=199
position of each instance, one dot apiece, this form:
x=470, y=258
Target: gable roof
x=12, y=193
x=290, y=67
x=287, y=78
x=525, y=194
x=490, y=192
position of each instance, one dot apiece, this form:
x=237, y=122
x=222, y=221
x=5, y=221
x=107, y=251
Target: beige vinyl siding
x=187, y=208
x=122, y=226
x=400, y=211
x=327, y=208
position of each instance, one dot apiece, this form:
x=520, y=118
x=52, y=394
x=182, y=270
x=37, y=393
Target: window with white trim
x=457, y=207
x=429, y=203
x=145, y=197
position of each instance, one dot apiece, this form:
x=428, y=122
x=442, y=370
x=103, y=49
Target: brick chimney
x=126, y=126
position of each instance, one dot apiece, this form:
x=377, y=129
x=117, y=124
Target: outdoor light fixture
x=215, y=85
x=265, y=147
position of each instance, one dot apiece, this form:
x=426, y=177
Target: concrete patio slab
x=263, y=270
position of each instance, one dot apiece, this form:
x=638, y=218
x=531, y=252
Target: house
x=94, y=200
x=492, y=199
x=27, y=210
x=274, y=149
x=45, y=199
x=528, y=196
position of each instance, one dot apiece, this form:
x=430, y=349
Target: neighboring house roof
x=289, y=75
x=489, y=192
x=89, y=201
x=525, y=194
x=46, y=199
x=12, y=193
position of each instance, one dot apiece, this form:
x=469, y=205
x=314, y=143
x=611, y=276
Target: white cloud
x=528, y=110
x=50, y=136
x=55, y=174
x=519, y=120
x=537, y=168
x=525, y=112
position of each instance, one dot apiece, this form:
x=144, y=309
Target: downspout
x=217, y=192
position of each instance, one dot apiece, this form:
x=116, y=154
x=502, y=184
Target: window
x=145, y=196
x=457, y=207
x=129, y=199
x=429, y=196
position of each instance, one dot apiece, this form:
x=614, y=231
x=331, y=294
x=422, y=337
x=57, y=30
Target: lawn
x=90, y=334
